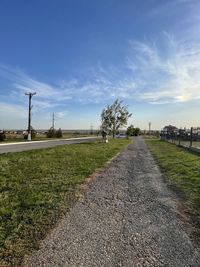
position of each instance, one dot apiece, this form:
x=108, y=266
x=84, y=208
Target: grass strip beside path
x=36, y=189
x=182, y=169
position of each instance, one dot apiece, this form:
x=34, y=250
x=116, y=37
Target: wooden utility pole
x=149, y=128
x=53, y=120
x=30, y=95
x=91, y=129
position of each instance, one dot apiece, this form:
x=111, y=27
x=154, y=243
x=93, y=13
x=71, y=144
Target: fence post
x=191, y=133
x=179, y=137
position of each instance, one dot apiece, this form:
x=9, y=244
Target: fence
x=189, y=138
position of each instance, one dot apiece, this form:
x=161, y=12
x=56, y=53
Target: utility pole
x=30, y=95
x=53, y=120
x=149, y=128
x=91, y=129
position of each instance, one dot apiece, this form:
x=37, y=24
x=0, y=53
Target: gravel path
x=128, y=217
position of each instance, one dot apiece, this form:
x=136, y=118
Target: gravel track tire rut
x=128, y=218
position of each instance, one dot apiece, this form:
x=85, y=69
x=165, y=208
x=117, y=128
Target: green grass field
x=37, y=187
x=181, y=168
x=10, y=138
x=194, y=143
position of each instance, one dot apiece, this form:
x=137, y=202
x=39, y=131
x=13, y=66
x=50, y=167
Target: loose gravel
x=128, y=217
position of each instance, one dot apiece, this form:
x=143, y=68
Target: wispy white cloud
x=95, y=89
x=25, y=83
x=12, y=115
x=164, y=72
x=170, y=75
x=166, y=8
x=20, y=83
x=13, y=109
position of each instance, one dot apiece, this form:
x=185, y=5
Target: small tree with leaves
x=54, y=133
x=115, y=116
x=58, y=133
x=131, y=131
x=51, y=133
x=2, y=136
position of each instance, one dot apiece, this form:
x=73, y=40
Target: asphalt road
x=128, y=218
x=23, y=146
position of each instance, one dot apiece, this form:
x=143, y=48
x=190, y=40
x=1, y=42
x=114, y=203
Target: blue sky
x=80, y=55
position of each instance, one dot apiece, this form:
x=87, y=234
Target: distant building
x=168, y=131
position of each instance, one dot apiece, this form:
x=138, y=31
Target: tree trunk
x=113, y=134
x=114, y=130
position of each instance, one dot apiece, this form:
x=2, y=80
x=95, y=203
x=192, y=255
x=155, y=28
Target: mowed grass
x=10, y=138
x=37, y=187
x=182, y=169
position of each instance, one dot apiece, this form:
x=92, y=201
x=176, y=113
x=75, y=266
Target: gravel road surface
x=128, y=218
x=24, y=146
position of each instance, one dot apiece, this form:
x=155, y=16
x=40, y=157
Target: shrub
x=51, y=133
x=131, y=131
x=2, y=136
x=54, y=133
x=76, y=133
x=58, y=133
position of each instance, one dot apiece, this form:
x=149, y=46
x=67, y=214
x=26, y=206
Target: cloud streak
x=172, y=75
x=25, y=83
x=157, y=74
x=10, y=110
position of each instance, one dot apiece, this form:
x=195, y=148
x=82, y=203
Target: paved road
x=128, y=218
x=23, y=146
